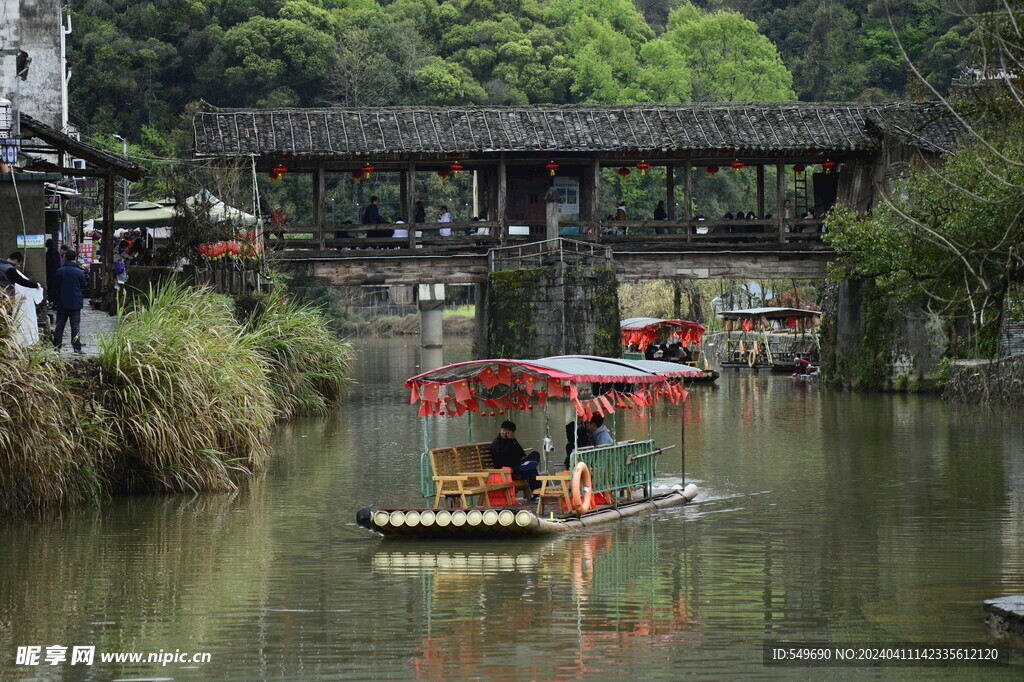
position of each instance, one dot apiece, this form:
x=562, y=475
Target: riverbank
x=985, y=382
x=180, y=396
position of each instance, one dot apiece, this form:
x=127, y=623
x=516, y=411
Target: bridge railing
x=480, y=236
x=548, y=252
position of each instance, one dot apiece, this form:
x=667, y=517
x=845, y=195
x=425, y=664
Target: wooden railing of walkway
x=480, y=236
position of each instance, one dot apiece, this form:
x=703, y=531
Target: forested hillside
x=139, y=65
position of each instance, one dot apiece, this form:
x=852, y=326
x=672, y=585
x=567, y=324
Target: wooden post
x=319, y=210
x=595, y=196
x=670, y=193
x=551, y=214
x=502, y=199
x=760, y=190
x=688, y=201
x=780, y=199
x=410, y=202
x=107, y=271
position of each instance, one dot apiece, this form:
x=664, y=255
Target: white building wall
x=36, y=27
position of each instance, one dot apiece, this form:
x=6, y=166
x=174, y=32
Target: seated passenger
x=649, y=352
x=598, y=432
x=580, y=438
x=507, y=452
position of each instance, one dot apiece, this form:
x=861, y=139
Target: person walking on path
x=70, y=284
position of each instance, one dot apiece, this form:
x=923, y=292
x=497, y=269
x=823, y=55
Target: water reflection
x=822, y=515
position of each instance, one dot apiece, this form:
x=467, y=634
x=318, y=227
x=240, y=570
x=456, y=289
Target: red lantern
x=551, y=166
x=623, y=172
x=712, y=170
x=643, y=166
x=455, y=168
x=367, y=169
x=274, y=177
x=828, y=165
x=357, y=176
x=737, y=166
x=799, y=170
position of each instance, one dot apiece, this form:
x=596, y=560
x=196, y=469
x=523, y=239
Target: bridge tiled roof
x=766, y=127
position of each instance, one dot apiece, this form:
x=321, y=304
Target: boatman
x=507, y=452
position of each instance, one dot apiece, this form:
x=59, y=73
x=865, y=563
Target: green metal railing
x=622, y=466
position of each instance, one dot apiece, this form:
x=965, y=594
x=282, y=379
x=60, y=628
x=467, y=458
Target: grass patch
x=51, y=449
x=309, y=365
x=187, y=393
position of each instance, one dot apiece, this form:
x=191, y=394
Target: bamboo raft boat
x=604, y=484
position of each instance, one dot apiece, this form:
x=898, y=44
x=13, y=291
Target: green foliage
x=950, y=234
x=309, y=365
x=52, y=445
x=188, y=394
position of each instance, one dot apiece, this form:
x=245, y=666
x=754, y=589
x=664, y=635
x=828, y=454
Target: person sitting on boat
x=674, y=353
x=507, y=452
x=649, y=352
x=575, y=436
x=802, y=366
x=597, y=432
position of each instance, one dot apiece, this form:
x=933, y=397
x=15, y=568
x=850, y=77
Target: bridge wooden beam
x=405, y=266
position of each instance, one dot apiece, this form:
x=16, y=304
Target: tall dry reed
x=187, y=393
x=52, y=449
x=309, y=364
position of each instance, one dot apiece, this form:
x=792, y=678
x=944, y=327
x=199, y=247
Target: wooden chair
x=554, y=488
x=455, y=483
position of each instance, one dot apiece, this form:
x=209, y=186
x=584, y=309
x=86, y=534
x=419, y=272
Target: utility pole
x=124, y=181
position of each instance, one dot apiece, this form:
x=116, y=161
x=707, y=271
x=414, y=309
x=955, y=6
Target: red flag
x=414, y=395
x=430, y=392
x=461, y=390
x=542, y=398
x=426, y=409
x=488, y=377
x=555, y=388
x=504, y=374
x=607, y=403
x=579, y=407
x=528, y=383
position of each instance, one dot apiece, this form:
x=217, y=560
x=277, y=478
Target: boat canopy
x=492, y=386
x=750, y=318
x=642, y=331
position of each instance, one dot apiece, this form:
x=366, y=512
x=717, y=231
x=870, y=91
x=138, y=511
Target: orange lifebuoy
x=581, y=489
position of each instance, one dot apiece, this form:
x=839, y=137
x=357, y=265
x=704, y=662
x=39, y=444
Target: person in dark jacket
x=507, y=452
x=371, y=216
x=9, y=276
x=53, y=263
x=70, y=284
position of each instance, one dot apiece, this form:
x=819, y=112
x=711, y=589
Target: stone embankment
x=986, y=382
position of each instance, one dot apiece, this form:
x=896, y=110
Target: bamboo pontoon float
x=604, y=484
x=640, y=333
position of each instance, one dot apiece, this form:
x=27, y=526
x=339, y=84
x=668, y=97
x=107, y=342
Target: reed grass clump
x=309, y=365
x=52, y=449
x=187, y=392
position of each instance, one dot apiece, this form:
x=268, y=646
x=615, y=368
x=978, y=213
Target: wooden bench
x=462, y=472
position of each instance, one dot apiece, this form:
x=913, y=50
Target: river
x=822, y=515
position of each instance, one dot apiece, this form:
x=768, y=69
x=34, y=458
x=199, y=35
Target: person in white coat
x=26, y=332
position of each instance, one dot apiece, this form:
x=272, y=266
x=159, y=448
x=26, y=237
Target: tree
x=728, y=58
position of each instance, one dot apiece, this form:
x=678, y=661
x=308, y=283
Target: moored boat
x=465, y=496
x=770, y=338
x=640, y=334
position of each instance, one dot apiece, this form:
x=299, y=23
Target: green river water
x=822, y=516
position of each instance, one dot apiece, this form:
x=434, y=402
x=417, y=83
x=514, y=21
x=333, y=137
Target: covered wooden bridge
x=819, y=153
